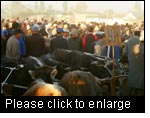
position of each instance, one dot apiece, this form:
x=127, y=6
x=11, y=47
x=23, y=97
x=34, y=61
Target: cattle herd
x=63, y=73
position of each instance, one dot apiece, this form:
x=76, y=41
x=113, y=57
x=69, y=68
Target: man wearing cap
x=58, y=42
x=35, y=44
x=13, y=46
x=66, y=34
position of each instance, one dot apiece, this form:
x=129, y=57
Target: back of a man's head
x=90, y=28
x=15, y=25
x=35, y=29
x=18, y=33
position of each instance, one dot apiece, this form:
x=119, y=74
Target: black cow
x=8, y=62
x=99, y=66
x=50, y=60
x=100, y=71
x=31, y=63
x=7, y=65
x=80, y=83
x=20, y=76
x=96, y=65
x=62, y=55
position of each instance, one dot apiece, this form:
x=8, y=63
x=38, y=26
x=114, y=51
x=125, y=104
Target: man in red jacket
x=89, y=40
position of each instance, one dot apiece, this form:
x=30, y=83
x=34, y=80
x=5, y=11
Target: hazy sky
x=120, y=6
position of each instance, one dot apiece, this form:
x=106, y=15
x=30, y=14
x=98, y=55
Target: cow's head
x=47, y=73
x=80, y=83
x=40, y=88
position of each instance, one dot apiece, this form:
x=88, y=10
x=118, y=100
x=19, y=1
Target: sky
x=117, y=6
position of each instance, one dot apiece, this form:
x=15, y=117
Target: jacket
x=35, y=45
x=58, y=43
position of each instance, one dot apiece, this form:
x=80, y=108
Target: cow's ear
x=53, y=74
x=31, y=74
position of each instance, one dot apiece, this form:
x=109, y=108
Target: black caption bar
x=72, y=104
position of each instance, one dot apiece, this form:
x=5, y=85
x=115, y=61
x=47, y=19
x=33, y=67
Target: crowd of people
x=22, y=38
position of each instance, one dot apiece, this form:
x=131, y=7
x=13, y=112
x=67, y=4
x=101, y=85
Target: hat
x=60, y=30
x=66, y=30
x=35, y=28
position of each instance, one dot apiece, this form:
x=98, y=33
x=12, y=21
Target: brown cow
x=80, y=83
x=40, y=88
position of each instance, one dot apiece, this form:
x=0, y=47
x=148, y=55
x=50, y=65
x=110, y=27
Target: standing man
x=126, y=36
x=75, y=43
x=5, y=35
x=136, y=70
x=35, y=43
x=99, y=48
x=89, y=41
x=131, y=42
x=58, y=42
x=13, y=46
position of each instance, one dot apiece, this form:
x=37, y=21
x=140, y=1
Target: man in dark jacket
x=35, y=44
x=75, y=42
x=58, y=42
x=131, y=42
x=136, y=71
x=135, y=52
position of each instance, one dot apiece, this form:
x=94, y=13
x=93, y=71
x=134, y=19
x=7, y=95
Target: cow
x=8, y=62
x=20, y=76
x=50, y=60
x=40, y=88
x=100, y=71
x=80, y=83
x=76, y=60
x=23, y=77
x=31, y=63
x=62, y=55
x=89, y=62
